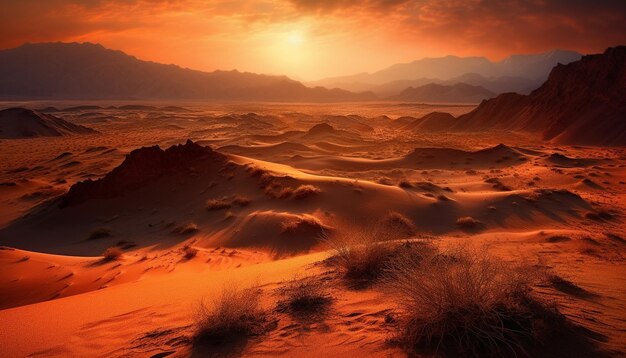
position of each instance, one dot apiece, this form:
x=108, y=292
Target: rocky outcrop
x=583, y=102
x=143, y=166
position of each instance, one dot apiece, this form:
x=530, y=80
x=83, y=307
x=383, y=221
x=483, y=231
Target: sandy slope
x=301, y=175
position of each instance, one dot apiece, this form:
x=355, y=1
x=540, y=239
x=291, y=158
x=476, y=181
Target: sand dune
x=180, y=219
x=25, y=123
x=421, y=158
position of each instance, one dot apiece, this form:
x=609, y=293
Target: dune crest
x=144, y=165
x=25, y=123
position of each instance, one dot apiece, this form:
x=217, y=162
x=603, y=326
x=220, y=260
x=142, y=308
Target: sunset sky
x=308, y=39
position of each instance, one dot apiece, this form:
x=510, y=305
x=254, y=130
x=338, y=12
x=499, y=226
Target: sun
x=295, y=38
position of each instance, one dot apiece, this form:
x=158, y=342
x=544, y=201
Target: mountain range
x=581, y=103
x=516, y=73
x=90, y=71
x=433, y=93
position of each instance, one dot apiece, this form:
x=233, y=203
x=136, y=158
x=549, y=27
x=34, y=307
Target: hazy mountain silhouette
x=432, y=93
x=515, y=73
x=496, y=84
x=583, y=102
x=77, y=71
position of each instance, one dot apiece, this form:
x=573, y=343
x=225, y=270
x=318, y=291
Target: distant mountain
x=90, y=71
x=506, y=74
x=583, y=102
x=18, y=123
x=433, y=93
x=496, y=84
x=500, y=84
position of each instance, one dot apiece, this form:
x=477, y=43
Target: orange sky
x=308, y=39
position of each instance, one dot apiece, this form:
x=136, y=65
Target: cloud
x=370, y=33
x=495, y=27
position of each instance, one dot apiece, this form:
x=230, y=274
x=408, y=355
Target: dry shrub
x=112, y=253
x=305, y=191
x=467, y=304
x=301, y=224
x=185, y=229
x=226, y=203
x=264, y=177
x=304, y=296
x=217, y=204
x=241, y=201
x=231, y=316
x=399, y=224
x=405, y=184
x=363, y=253
x=99, y=233
x=189, y=252
x=468, y=223
x=279, y=191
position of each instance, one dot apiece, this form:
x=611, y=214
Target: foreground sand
x=560, y=206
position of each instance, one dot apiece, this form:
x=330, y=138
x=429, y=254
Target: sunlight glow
x=295, y=38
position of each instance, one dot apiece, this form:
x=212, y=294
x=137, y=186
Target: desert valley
x=471, y=208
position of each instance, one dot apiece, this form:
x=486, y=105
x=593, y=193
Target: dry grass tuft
x=189, y=252
x=467, y=304
x=277, y=190
x=112, y=253
x=405, y=184
x=241, y=201
x=301, y=224
x=226, y=203
x=233, y=315
x=363, y=254
x=185, y=229
x=304, y=297
x=305, y=191
x=468, y=223
x=217, y=204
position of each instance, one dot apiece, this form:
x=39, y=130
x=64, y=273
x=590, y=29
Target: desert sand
x=243, y=195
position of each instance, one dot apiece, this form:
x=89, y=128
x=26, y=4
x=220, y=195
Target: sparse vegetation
x=468, y=223
x=217, y=204
x=405, y=184
x=279, y=191
x=362, y=254
x=241, y=201
x=305, y=191
x=304, y=296
x=299, y=224
x=189, y=252
x=185, y=229
x=232, y=315
x=226, y=203
x=467, y=304
x=112, y=253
